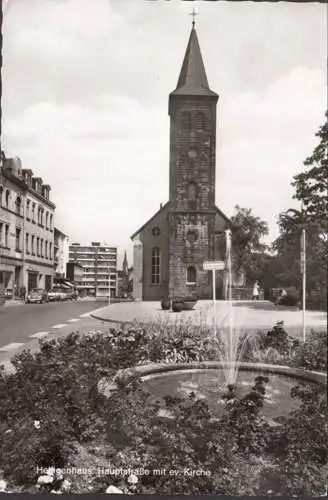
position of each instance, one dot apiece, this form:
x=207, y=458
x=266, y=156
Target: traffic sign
x=213, y=265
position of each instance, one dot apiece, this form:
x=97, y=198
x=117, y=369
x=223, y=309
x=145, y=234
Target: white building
x=99, y=263
x=26, y=230
x=61, y=255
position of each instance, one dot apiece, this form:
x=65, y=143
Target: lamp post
x=108, y=267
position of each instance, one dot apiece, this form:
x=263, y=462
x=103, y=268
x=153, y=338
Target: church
x=170, y=248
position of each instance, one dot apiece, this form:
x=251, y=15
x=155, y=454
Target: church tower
x=192, y=212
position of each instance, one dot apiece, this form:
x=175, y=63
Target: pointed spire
x=193, y=79
x=125, y=264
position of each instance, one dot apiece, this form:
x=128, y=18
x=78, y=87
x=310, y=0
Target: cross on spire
x=193, y=14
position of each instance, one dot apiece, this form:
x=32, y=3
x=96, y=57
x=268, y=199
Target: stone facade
x=189, y=229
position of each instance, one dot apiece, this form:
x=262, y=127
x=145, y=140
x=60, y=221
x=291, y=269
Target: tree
x=311, y=188
x=248, y=250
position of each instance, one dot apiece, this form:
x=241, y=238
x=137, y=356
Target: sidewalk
x=246, y=315
x=13, y=302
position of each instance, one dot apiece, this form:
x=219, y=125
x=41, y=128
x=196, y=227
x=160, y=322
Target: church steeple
x=193, y=79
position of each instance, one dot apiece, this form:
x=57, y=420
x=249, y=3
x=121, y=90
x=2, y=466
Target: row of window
x=43, y=216
x=156, y=269
x=33, y=244
x=190, y=121
x=38, y=246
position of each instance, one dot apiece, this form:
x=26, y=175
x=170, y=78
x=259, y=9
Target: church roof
x=164, y=207
x=193, y=79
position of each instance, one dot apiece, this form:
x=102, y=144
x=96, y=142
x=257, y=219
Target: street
x=23, y=325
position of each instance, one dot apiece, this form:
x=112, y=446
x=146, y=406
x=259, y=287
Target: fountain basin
x=206, y=380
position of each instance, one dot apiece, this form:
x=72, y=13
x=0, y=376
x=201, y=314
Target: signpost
x=214, y=265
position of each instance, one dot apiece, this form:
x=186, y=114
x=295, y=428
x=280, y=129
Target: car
x=35, y=297
x=53, y=295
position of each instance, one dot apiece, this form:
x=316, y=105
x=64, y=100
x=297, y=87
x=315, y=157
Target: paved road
x=23, y=325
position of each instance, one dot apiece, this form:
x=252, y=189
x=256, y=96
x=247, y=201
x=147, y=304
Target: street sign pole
x=214, y=300
x=214, y=265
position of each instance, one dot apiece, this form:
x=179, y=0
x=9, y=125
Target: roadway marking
x=85, y=315
x=59, y=326
x=73, y=320
x=10, y=347
x=39, y=335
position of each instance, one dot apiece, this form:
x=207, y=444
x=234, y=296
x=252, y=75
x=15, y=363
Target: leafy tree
x=311, y=188
x=248, y=250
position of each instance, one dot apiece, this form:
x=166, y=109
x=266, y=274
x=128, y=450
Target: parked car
x=37, y=297
x=53, y=295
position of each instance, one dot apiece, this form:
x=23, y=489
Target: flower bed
x=51, y=408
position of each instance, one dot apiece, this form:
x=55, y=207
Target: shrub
x=312, y=354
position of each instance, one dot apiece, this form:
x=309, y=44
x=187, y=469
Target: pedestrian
x=281, y=297
x=256, y=291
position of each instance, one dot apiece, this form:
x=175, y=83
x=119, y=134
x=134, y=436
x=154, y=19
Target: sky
x=85, y=103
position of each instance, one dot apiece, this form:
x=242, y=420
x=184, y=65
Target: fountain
x=216, y=381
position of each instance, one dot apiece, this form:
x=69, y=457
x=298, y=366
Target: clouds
x=85, y=102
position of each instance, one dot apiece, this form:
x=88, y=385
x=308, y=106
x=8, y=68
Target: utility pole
x=303, y=272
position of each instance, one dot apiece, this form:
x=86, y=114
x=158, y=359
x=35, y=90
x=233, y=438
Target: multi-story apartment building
x=26, y=230
x=61, y=253
x=99, y=263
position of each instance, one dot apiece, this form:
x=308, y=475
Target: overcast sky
x=85, y=103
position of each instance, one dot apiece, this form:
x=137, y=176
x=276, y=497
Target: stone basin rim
x=158, y=369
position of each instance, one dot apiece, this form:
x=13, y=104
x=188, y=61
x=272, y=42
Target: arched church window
x=185, y=120
x=155, y=266
x=191, y=275
x=200, y=121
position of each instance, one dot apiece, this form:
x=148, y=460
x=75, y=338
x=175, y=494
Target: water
x=232, y=339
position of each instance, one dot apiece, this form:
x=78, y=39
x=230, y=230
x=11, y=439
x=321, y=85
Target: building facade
x=61, y=253
x=170, y=249
x=75, y=274
x=99, y=262
x=26, y=230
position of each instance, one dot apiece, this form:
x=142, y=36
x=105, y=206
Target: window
x=192, y=191
x=185, y=120
x=47, y=220
x=1, y=195
x=28, y=209
x=26, y=243
x=33, y=212
x=191, y=275
x=155, y=266
x=41, y=247
x=50, y=250
x=7, y=236
x=1, y=232
x=18, y=205
x=46, y=250
x=200, y=121
x=192, y=236
x=32, y=245
x=51, y=221
x=38, y=246
x=7, y=198
x=18, y=234
x=156, y=231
